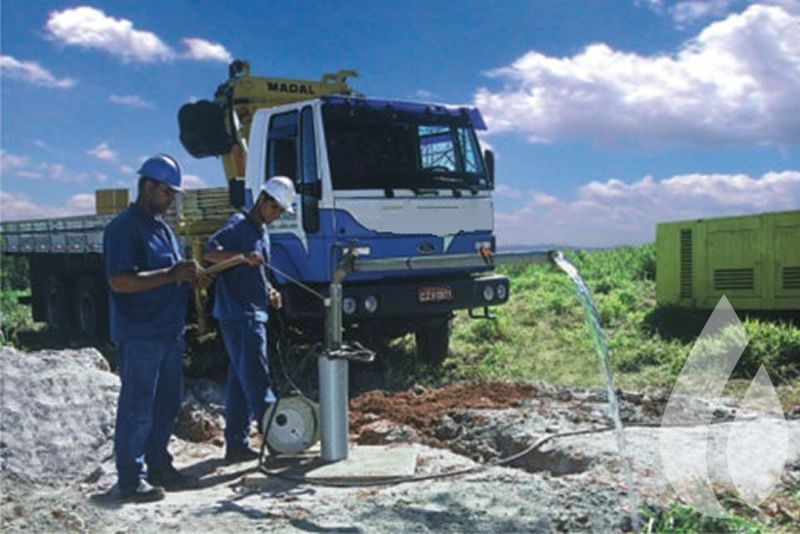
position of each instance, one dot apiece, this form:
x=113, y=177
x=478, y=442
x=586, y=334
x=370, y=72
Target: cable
x=300, y=284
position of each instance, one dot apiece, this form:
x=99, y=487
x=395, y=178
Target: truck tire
x=55, y=300
x=91, y=317
x=433, y=342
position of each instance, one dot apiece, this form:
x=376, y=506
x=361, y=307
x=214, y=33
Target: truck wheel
x=433, y=342
x=90, y=308
x=55, y=302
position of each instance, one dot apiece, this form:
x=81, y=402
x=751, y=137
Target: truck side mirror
x=488, y=158
x=312, y=189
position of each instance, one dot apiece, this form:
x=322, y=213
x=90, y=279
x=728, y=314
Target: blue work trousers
x=248, y=387
x=151, y=377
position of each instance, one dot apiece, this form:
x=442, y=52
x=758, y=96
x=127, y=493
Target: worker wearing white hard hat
x=242, y=298
x=281, y=190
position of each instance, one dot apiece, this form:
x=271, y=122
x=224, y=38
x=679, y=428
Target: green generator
x=753, y=260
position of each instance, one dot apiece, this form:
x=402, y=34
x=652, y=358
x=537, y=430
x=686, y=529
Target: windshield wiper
x=456, y=183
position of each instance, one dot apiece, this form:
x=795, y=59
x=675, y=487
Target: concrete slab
x=366, y=463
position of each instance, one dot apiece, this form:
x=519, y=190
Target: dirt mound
x=422, y=408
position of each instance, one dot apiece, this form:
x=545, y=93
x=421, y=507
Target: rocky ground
x=56, y=428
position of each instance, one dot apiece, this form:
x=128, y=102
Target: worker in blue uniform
x=149, y=281
x=243, y=295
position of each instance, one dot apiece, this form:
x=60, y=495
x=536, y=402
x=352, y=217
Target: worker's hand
x=254, y=258
x=204, y=280
x=186, y=271
x=275, y=299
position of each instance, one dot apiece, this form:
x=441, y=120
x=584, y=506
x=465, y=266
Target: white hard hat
x=281, y=189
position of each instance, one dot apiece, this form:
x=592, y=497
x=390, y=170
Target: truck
x=378, y=178
x=753, y=260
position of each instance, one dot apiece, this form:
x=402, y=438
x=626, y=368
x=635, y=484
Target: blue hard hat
x=163, y=168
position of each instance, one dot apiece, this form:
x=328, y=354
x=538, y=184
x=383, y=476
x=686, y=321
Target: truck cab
x=387, y=179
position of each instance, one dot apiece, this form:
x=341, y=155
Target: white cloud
x=735, y=83
x=87, y=27
x=82, y=203
x=10, y=161
x=126, y=169
x=90, y=28
x=689, y=11
x=424, y=94
x=102, y=152
x=59, y=172
x=18, y=207
x=130, y=101
x=191, y=181
x=505, y=191
x=30, y=175
x=614, y=212
x=203, y=50
x=14, y=165
x=543, y=199
x=485, y=144
x=32, y=72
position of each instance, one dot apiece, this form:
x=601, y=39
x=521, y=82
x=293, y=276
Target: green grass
x=14, y=318
x=541, y=334
x=678, y=518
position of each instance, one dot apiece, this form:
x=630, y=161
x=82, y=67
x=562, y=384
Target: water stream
x=602, y=351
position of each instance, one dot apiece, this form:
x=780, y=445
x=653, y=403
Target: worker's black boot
x=172, y=479
x=240, y=456
x=141, y=492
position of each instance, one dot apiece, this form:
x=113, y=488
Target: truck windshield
x=371, y=148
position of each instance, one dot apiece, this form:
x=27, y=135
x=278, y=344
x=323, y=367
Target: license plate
x=435, y=294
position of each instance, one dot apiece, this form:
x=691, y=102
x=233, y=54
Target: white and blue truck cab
x=387, y=179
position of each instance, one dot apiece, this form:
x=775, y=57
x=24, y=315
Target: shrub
x=13, y=317
x=776, y=345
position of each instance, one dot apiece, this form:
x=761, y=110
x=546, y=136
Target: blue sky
x=605, y=116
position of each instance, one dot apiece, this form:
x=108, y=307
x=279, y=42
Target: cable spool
x=294, y=425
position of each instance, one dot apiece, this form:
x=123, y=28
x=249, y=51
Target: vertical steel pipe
x=333, y=386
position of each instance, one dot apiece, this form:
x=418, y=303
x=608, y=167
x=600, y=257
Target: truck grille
x=791, y=278
x=686, y=264
x=733, y=279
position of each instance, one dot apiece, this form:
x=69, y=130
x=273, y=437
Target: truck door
x=291, y=152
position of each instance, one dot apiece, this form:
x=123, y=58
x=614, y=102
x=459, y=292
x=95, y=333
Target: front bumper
x=401, y=298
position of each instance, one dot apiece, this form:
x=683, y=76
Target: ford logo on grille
x=426, y=248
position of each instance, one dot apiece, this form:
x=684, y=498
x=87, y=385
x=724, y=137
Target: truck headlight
x=502, y=292
x=349, y=305
x=488, y=293
x=371, y=304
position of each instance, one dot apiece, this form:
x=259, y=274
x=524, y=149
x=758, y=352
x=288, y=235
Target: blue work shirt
x=241, y=292
x=135, y=241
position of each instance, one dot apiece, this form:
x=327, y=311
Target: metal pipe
x=333, y=386
x=444, y=261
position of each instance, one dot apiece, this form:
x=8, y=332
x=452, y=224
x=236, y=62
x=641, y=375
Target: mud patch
x=422, y=409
